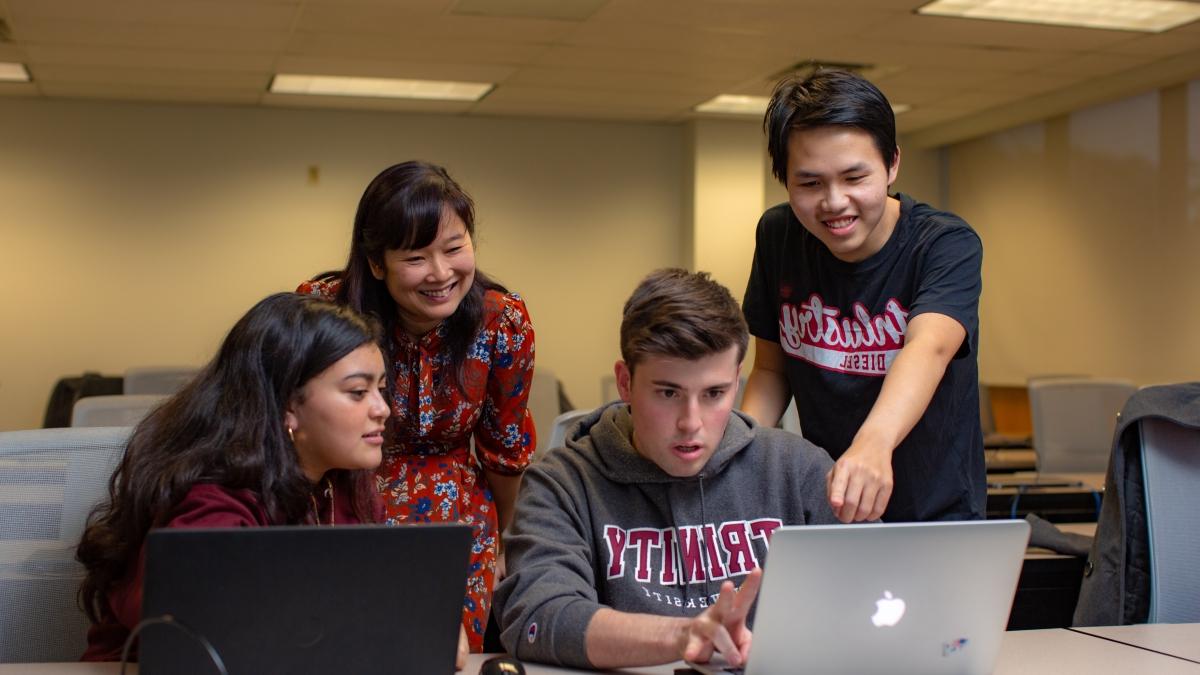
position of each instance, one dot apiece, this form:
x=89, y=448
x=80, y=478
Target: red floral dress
x=429, y=473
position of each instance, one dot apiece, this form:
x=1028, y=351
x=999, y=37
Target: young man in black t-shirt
x=864, y=307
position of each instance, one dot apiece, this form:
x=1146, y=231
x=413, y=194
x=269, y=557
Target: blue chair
x=1143, y=561
x=1171, y=471
x=50, y=479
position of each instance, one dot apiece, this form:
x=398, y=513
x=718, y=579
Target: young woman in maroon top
x=284, y=426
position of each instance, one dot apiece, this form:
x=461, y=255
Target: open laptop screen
x=352, y=599
x=923, y=598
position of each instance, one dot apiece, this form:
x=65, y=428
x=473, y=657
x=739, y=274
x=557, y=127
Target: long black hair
x=402, y=209
x=226, y=427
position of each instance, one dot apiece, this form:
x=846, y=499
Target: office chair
x=50, y=479
x=114, y=411
x=1171, y=472
x=545, y=404
x=157, y=379
x=608, y=389
x=561, y=424
x=1073, y=422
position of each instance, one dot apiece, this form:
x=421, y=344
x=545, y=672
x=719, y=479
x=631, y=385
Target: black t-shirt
x=841, y=324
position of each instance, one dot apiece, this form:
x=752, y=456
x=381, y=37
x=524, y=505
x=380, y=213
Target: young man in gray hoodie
x=627, y=543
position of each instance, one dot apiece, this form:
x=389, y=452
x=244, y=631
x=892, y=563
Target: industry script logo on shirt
x=856, y=342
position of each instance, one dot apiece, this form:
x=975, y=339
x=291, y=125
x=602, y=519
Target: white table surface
x=1176, y=639
x=1032, y=652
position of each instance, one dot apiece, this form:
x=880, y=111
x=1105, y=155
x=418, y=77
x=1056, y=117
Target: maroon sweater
x=206, y=505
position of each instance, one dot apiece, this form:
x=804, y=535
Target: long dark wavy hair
x=402, y=209
x=226, y=427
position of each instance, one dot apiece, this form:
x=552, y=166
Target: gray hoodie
x=597, y=525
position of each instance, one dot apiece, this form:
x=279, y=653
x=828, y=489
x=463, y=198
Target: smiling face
x=679, y=407
x=427, y=284
x=837, y=185
x=337, y=417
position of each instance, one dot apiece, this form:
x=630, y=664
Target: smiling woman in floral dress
x=460, y=349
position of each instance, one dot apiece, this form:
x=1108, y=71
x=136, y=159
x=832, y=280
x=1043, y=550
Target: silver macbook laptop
x=898, y=598
x=298, y=600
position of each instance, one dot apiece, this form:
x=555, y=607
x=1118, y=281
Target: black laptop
x=347, y=599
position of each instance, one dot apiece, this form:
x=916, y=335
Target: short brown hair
x=681, y=314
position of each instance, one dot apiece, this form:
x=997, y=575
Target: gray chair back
x=1171, y=472
x=562, y=424
x=114, y=411
x=544, y=404
x=1074, y=420
x=50, y=479
x=157, y=379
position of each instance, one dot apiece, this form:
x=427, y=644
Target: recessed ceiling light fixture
x=1150, y=16
x=13, y=72
x=379, y=87
x=734, y=104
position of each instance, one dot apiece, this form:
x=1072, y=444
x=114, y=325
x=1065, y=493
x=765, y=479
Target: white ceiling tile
x=461, y=72
x=357, y=103
x=612, y=111
x=379, y=47
x=587, y=96
x=540, y=76
x=129, y=57
x=244, y=14
x=19, y=89
x=133, y=92
x=1160, y=45
x=11, y=53
x=1095, y=65
x=399, y=20
x=631, y=59
x=82, y=33
x=978, y=33
x=154, y=77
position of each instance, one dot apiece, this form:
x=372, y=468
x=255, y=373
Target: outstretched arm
x=860, y=484
x=621, y=639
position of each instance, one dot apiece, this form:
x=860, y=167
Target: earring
x=291, y=435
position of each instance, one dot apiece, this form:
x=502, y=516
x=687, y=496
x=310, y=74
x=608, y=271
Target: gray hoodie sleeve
x=546, y=602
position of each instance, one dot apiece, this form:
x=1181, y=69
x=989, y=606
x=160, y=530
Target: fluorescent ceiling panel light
x=1150, y=16
x=13, y=72
x=734, y=104
x=379, y=87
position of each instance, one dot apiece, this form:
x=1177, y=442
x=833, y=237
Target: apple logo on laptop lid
x=888, y=610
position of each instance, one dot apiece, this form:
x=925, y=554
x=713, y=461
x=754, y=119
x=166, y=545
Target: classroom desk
x=1029, y=652
x=1014, y=495
x=1009, y=460
x=1048, y=588
x=1181, y=640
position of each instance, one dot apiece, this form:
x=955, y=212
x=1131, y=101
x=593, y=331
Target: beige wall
x=725, y=198
x=136, y=234
x=1091, y=228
